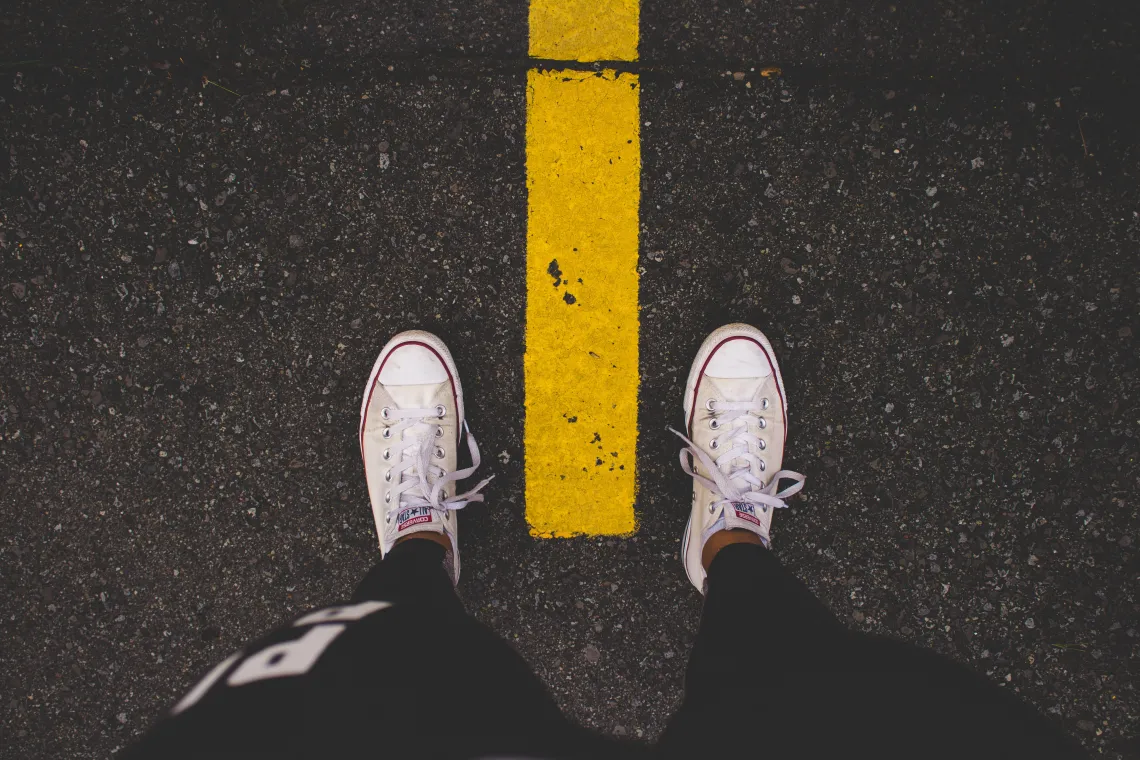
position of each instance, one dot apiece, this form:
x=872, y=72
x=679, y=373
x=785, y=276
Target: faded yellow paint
x=583, y=169
x=584, y=30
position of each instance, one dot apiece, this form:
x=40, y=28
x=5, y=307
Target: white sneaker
x=411, y=420
x=736, y=420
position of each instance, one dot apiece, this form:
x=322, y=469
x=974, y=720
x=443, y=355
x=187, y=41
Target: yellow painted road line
x=581, y=362
x=584, y=30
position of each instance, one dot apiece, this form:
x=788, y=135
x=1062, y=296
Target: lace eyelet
x=714, y=423
x=387, y=498
x=387, y=433
x=711, y=405
x=763, y=423
x=443, y=494
x=764, y=403
x=387, y=454
x=714, y=444
x=439, y=452
x=439, y=432
x=763, y=445
x=763, y=465
x=385, y=413
x=712, y=507
x=440, y=411
x=388, y=476
x=388, y=518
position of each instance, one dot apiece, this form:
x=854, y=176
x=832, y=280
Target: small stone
x=18, y=290
x=356, y=323
x=1124, y=542
x=931, y=191
x=174, y=271
x=738, y=75
x=160, y=255
x=382, y=146
x=858, y=616
x=383, y=161
x=1124, y=332
x=1030, y=623
x=1086, y=725
x=620, y=731
x=592, y=654
x=296, y=241
x=977, y=163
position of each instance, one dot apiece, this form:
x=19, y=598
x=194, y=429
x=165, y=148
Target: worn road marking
x=584, y=30
x=583, y=190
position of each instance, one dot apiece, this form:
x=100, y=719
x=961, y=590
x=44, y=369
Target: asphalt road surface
x=213, y=215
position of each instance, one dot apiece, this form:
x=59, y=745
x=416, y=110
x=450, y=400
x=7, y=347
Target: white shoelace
x=732, y=476
x=417, y=481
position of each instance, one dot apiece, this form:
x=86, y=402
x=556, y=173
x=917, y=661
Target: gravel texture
x=211, y=220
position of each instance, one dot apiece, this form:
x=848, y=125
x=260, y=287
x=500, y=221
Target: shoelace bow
x=417, y=481
x=732, y=476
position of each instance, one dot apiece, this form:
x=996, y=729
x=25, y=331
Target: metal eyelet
x=439, y=432
x=714, y=444
x=711, y=405
x=388, y=476
x=443, y=494
x=763, y=465
x=388, y=518
x=387, y=433
x=714, y=423
x=763, y=445
x=387, y=498
x=385, y=413
x=439, y=452
x=764, y=403
x=440, y=411
x=387, y=454
x=712, y=507
x=763, y=423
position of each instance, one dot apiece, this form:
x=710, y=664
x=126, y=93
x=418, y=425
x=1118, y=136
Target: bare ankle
x=427, y=535
x=723, y=538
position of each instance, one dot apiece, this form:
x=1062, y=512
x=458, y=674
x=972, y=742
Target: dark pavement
x=933, y=211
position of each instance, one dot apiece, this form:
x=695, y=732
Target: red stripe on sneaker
x=701, y=375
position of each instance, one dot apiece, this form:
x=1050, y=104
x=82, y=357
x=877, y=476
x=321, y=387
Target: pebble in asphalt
x=932, y=210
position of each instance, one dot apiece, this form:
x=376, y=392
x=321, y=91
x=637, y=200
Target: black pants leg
x=774, y=674
x=411, y=676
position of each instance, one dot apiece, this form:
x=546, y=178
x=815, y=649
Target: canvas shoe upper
x=736, y=424
x=411, y=422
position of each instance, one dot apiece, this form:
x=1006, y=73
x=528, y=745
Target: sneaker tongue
x=744, y=515
x=409, y=520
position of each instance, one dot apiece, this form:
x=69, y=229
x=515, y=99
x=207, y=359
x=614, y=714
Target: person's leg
x=772, y=672
x=401, y=671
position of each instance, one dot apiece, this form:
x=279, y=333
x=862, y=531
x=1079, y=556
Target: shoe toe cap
x=739, y=357
x=412, y=364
